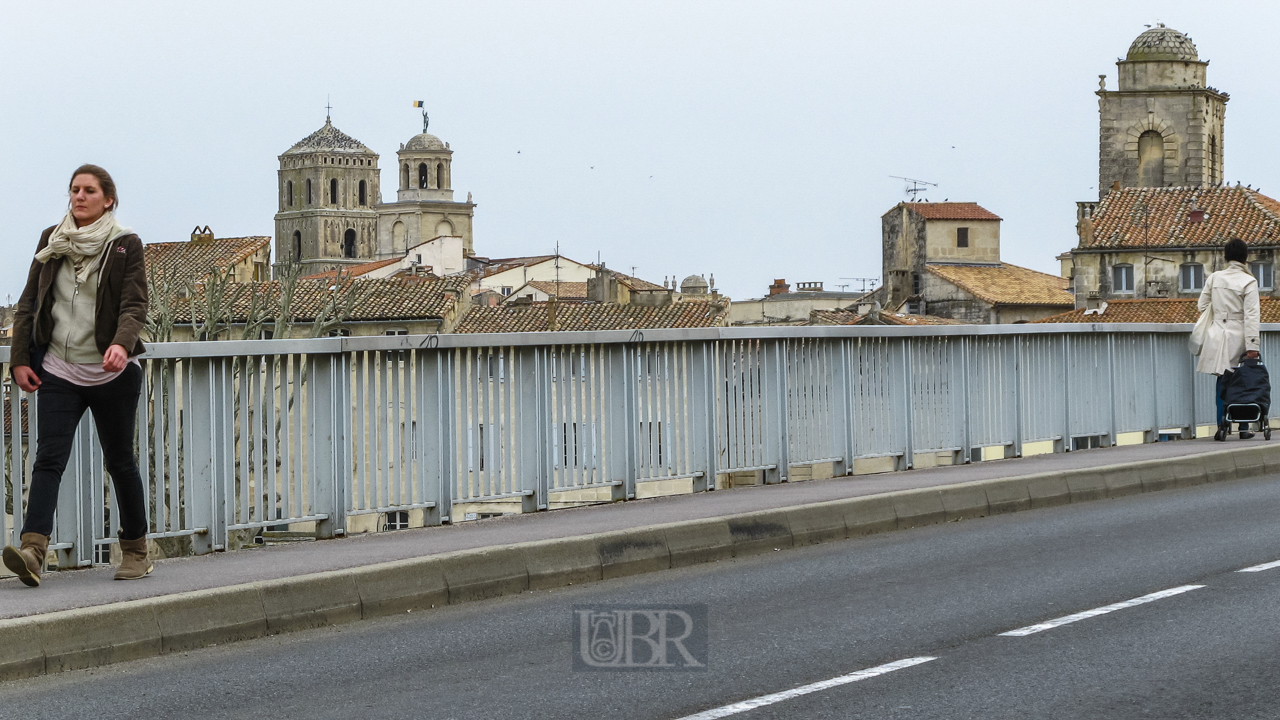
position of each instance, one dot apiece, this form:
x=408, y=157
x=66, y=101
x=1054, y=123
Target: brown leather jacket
x=122, y=301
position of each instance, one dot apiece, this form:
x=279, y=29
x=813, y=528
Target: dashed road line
x=1065, y=620
x=763, y=700
x=1260, y=568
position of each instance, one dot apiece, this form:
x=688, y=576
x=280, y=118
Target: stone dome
x=424, y=141
x=694, y=285
x=1163, y=43
x=328, y=139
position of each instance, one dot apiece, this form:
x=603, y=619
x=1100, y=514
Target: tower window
x=1191, y=277
x=309, y=201
x=1265, y=273
x=349, y=244
x=289, y=192
x=1122, y=279
x=333, y=191
x=962, y=237
x=422, y=175
x=404, y=176
x=364, y=193
x=297, y=245
x=440, y=179
x=915, y=283
x=1150, y=159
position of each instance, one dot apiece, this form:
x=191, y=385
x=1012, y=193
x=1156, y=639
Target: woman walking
x=75, y=343
x=1233, y=295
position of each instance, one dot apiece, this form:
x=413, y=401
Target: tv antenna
x=863, y=283
x=917, y=186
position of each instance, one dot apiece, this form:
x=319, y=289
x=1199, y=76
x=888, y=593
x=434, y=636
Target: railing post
x=966, y=430
x=203, y=477
x=1066, y=392
x=534, y=371
x=1018, y=358
x=1111, y=383
x=329, y=397
x=74, y=519
x=773, y=398
x=1154, y=389
x=908, y=422
x=437, y=420
x=703, y=417
x=841, y=415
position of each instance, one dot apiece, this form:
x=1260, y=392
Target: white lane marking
x=1050, y=624
x=763, y=700
x=1260, y=568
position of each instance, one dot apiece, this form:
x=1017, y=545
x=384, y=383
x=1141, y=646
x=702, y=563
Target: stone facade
x=328, y=187
x=1163, y=127
x=916, y=234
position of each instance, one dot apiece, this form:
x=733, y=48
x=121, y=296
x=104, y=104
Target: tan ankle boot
x=28, y=562
x=134, y=563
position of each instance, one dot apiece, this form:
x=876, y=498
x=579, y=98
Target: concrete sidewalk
x=63, y=590
x=82, y=618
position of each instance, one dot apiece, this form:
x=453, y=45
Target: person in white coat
x=1233, y=294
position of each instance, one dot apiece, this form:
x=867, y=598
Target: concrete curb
x=88, y=637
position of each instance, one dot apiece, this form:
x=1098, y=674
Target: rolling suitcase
x=1246, y=398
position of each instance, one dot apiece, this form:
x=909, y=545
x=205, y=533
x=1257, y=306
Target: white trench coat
x=1233, y=292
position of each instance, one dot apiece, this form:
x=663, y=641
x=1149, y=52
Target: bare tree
x=341, y=298
x=288, y=284
x=162, y=312
x=219, y=297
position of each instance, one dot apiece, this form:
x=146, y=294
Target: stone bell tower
x=424, y=207
x=328, y=189
x=1163, y=127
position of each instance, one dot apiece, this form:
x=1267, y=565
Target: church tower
x=328, y=190
x=424, y=207
x=1163, y=126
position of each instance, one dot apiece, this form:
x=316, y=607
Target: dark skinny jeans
x=115, y=407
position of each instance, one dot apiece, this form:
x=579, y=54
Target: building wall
x=788, y=309
x=403, y=225
x=570, y=271
x=903, y=251
x=1156, y=272
x=941, y=238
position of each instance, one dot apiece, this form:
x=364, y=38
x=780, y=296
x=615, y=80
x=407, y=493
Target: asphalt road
x=789, y=619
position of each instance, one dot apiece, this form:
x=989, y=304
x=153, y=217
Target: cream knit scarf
x=80, y=243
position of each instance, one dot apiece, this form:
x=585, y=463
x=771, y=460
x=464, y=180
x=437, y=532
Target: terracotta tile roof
x=1006, y=284
x=1159, y=217
x=951, y=211
x=634, y=283
x=850, y=317
x=589, y=316
x=1155, y=310
x=398, y=298
x=196, y=260
x=355, y=270
x=498, y=265
x=564, y=290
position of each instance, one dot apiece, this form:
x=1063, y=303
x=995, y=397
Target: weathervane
x=425, y=120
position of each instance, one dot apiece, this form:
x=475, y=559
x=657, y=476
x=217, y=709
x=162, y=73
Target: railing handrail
x=330, y=345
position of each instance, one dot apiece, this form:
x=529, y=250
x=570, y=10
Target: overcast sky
x=751, y=140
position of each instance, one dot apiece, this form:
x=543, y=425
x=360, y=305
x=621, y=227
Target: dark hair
x=104, y=179
x=1236, y=250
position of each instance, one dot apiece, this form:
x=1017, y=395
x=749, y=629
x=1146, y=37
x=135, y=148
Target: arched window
x=404, y=176
x=1150, y=159
x=297, y=245
x=398, y=239
x=440, y=179
x=422, y=175
x=349, y=244
x=364, y=193
x=333, y=191
x=309, y=191
x=289, y=192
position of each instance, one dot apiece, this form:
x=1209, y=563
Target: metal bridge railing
x=241, y=435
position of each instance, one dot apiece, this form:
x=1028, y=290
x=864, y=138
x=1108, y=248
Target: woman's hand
x=114, y=359
x=26, y=378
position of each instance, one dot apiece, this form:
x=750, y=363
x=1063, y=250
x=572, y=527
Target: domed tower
x=424, y=207
x=328, y=190
x=1163, y=127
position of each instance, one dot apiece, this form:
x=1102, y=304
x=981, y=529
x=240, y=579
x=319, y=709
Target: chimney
x=201, y=234
x=1092, y=301
x=1115, y=186
x=779, y=287
x=552, y=322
